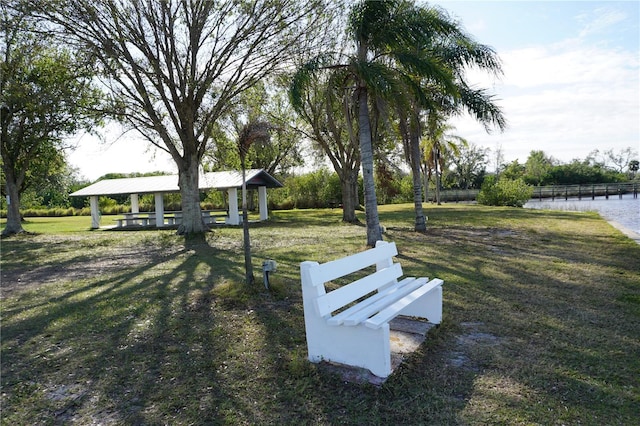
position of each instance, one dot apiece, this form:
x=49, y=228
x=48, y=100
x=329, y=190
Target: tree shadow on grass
x=179, y=340
x=133, y=346
x=556, y=302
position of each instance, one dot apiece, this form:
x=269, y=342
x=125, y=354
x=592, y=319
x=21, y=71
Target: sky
x=570, y=82
x=570, y=85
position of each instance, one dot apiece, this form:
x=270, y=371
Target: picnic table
x=170, y=218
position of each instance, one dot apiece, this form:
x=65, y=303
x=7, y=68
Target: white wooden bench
x=350, y=325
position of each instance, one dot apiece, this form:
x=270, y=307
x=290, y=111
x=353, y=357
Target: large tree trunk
x=14, y=220
x=349, y=185
x=414, y=141
x=374, y=233
x=190, y=194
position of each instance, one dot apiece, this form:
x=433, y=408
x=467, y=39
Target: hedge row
x=86, y=211
x=56, y=212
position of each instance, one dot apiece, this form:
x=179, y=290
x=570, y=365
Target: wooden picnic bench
x=350, y=325
x=171, y=218
x=136, y=219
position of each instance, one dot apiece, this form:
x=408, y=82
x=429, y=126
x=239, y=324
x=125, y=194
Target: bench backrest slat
x=347, y=265
x=342, y=296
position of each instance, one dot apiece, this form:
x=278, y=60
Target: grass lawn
x=541, y=324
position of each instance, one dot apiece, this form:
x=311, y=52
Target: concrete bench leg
x=358, y=346
x=429, y=306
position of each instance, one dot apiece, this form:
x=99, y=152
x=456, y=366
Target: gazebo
x=230, y=181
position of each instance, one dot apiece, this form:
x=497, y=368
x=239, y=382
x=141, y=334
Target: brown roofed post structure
x=230, y=181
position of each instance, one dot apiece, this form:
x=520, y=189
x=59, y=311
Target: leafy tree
x=329, y=114
x=314, y=189
x=387, y=186
x=258, y=103
x=174, y=67
x=470, y=166
x=46, y=93
x=582, y=172
x=634, y=165
x=537, y=168
x=513, y=171
x=49, y=186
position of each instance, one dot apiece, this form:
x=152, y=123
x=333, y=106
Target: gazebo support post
x=95, y=212
x=234, y=215
x=159, y=210
x=135, y=205
x=262, y=203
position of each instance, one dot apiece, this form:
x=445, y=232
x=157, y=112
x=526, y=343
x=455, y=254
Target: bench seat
x=350, y=324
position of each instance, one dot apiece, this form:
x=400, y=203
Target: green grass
x=58, y=225
x=541, y=324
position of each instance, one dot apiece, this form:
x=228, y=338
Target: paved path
x=626, y=231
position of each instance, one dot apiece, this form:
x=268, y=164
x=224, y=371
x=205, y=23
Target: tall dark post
x=252, y=132
x=248, y=267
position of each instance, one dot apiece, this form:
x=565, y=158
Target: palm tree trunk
x=248, y=267
x=414, y=142
x=436, y=155
x=374, y=233
x=427, y=176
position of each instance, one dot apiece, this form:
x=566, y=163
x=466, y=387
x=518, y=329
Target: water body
x=624, y=212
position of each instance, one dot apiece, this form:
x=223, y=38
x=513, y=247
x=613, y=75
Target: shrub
x=44, y=212
x=278, y=198
x=314, y=189
x=406, y=190
x=114, y=209
x=504, y=192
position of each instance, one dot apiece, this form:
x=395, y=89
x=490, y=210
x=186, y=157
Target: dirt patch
x=94, y=262
x=494, y=240
x=472, y=339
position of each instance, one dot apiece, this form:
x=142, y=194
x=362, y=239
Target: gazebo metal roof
x=169, y=183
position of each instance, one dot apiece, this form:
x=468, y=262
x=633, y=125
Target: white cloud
x=599, y=20
x=116, y=153
x=565, y=99
x=567, y=64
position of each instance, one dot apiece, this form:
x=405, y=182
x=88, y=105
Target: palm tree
x=437, y=144
x=384, y=34
x=457, y=51
x=251, y=133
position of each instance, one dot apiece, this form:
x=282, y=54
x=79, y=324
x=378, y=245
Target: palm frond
x=370, y=21
x=254, y=132
x=482, y=106
x=427, y=68
x=304, y=76
x=378, y=77
x=464, y=52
